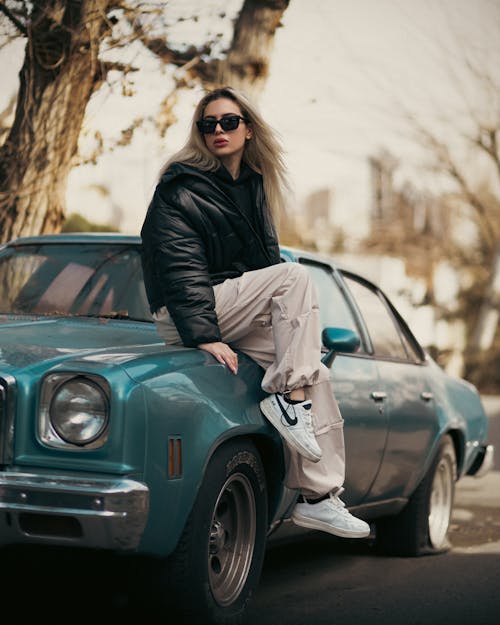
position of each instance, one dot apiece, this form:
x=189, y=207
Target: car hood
x=26, y=342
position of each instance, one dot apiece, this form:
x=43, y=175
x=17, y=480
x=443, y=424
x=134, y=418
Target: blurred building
x=316, y=223
x=319, y=206
x=405, y=255
x=404, y=208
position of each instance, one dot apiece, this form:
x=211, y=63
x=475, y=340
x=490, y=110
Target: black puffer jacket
x=193, y=237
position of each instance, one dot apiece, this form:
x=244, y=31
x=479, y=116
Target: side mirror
x=339, y=340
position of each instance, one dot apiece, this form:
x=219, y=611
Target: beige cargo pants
x=272, y=315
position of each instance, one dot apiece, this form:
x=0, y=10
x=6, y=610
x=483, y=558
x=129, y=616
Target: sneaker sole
x=292, y=442
x=314, y=524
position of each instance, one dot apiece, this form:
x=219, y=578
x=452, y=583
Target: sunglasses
x=230, y=122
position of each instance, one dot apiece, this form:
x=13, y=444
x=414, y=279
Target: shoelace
x=335, y=500
x=308, y=421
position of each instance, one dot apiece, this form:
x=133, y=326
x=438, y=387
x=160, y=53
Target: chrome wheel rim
x=231, y=540
x=441, y=502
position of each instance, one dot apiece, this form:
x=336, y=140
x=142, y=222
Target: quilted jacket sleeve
x=179, y=266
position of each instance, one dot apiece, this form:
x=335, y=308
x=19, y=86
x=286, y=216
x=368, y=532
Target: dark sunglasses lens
x=230, y=123
x=208, y=126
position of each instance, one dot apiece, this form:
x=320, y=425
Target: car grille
x=6, y=420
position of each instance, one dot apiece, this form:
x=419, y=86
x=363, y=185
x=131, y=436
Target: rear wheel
x=422, y=526
x=217, y=564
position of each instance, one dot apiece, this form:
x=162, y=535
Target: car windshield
x=73, y=279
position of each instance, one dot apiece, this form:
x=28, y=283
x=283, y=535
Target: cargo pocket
x=261, y=321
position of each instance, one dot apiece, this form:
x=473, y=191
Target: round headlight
x=79, y=411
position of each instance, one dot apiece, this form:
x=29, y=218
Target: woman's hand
x=223, y=353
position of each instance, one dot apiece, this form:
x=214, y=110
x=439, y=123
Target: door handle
x=378, y=395
x=426, y=395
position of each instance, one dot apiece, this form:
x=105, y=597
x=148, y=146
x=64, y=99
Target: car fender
x=190, y=413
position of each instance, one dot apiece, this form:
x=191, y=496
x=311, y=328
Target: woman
x=214, y=281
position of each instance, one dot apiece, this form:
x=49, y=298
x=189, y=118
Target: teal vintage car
x=111, y=440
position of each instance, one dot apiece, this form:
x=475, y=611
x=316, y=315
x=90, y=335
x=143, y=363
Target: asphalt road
x=317, y=580
x=327, y=581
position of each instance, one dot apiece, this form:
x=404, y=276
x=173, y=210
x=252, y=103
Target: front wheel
x=422, y=526
x=217, y=564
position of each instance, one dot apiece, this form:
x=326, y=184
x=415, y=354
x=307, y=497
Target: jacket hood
x=180, y=170
x=177, y=170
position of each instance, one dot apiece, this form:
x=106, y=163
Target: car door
x=356, y=382
x=406, y=398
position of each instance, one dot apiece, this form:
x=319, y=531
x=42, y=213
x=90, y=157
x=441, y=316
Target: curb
x=491, y=404
x=483, y=492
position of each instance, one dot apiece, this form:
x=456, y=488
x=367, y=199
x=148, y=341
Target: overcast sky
x=341, y=73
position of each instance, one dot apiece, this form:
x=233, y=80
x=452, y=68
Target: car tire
x=421, y=528
x=216, y=567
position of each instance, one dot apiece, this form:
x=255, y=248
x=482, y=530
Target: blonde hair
x=263, y=152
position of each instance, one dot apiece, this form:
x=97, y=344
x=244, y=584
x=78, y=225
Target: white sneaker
x=330, y=515
x=294, y=423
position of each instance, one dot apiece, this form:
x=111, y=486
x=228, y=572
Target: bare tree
x=462, y=147
x=63, y=68
x=476, y=182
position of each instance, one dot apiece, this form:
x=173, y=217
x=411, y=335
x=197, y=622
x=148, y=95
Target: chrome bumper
x=100, y=513
x=483, y=462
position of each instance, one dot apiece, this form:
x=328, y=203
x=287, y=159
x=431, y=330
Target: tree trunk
x=60, y=72
x=487, y=324
x=246, y=66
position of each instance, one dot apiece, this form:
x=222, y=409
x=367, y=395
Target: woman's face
x=226, y=145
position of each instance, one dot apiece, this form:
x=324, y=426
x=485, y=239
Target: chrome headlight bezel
x=52, y=385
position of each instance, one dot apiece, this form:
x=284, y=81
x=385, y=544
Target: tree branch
x=487, y=141
x=108, y=66
x=443, y=156
x=16, y=21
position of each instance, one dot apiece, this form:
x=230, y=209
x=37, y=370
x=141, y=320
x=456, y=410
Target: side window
x=413, y=349
x=333, y=308
x=386, y=339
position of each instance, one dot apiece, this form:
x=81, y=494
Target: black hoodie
x=195, y=236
